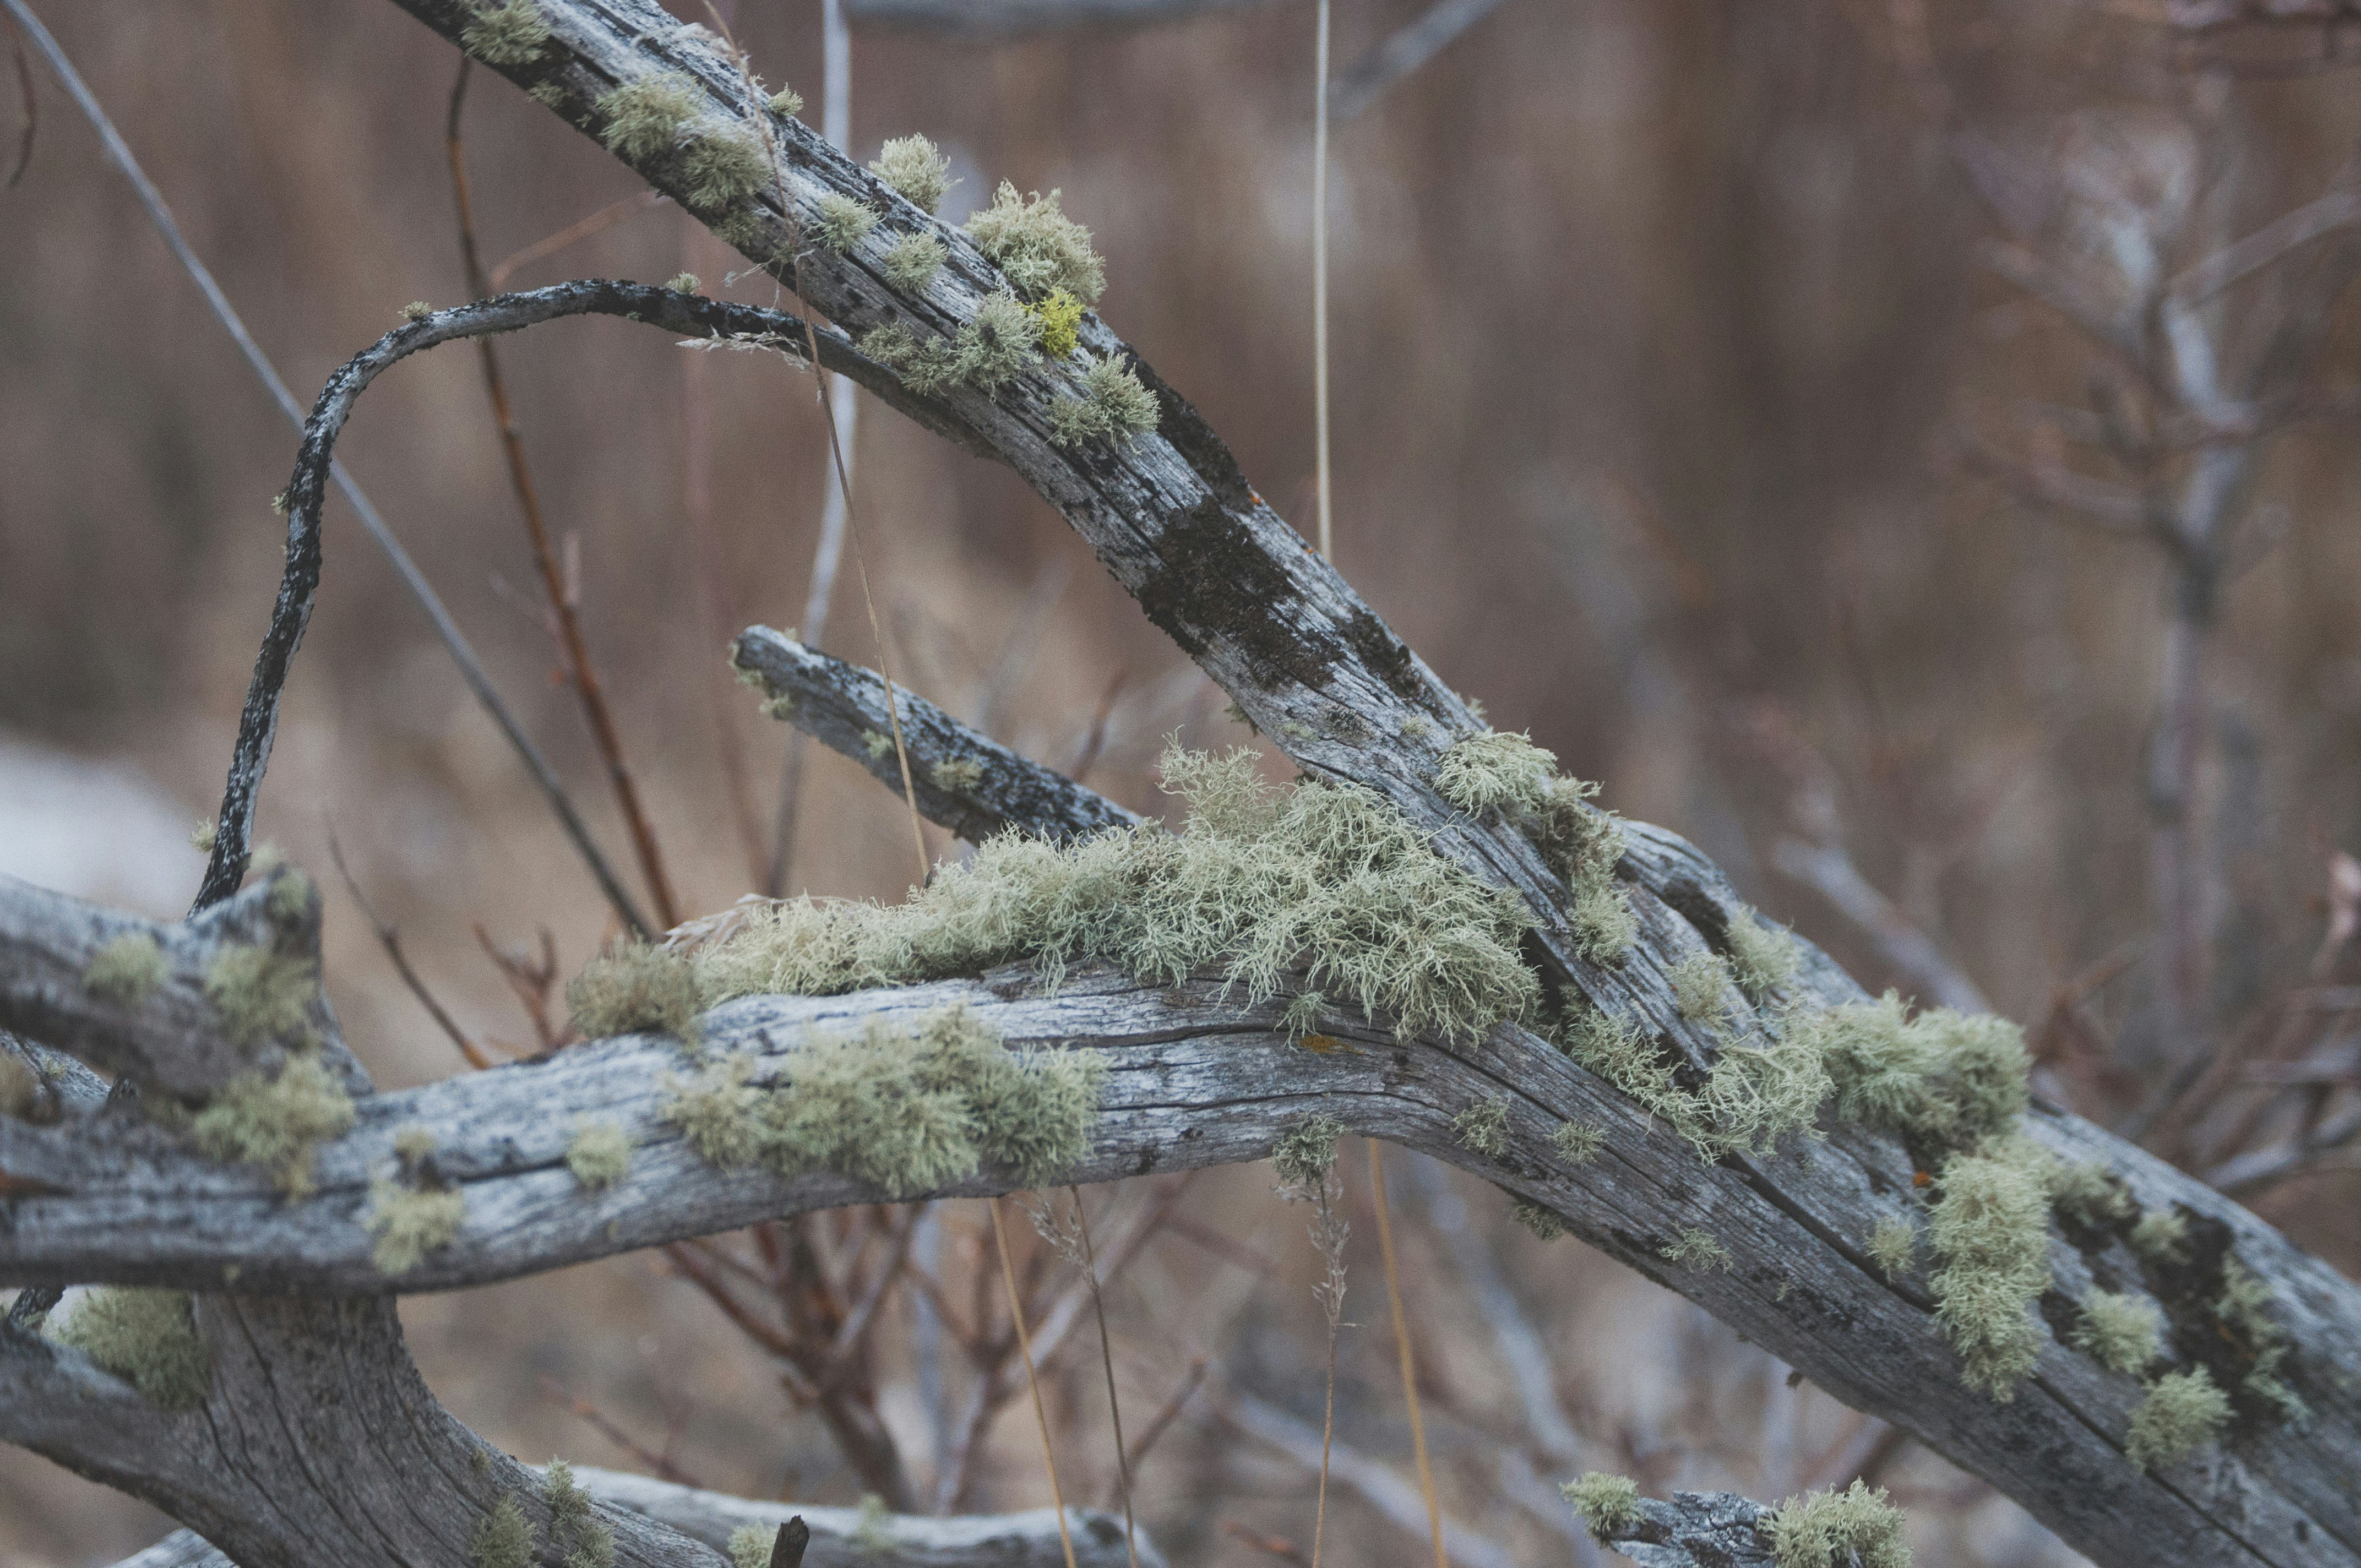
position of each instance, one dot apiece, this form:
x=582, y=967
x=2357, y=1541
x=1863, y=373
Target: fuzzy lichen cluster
x=903, y=1114
x=1483, y=1128
x=598, y=1153
x=148, y=1338
x=635, y=988
x=912, y=261
x=919, y=173
x=1938, y=1077
x=1114, y=406
x=2091, y=1196
x=1060, y=316
x=503, y=1537
x=1699, y=982
x=278, y=1122
x=2124, y=1333
x=957, y=775
x=261, y=994
x=1326, y=879
x=290, y=899
x=1693, y=1246
x=1578, y=1143
x=1761, y=958
x=842, y=222
x=1606, y=1504
x=1894, y=1245
x=721, y=162
x=1493, y=773
x=2161, y=1235
x=1306, y=1151
x=786, y=102
x=1991, y=1234
x=2241, y=1306
x=1542, y=1221
x=751, y=1544
x=992, y=348
x=1755, y=1094
x=575, y=1527
x=511, y=34
x=1830, y=1530
x=2182, y=1412
x=126, y=971
x=409, y=1223
x=1037, y=246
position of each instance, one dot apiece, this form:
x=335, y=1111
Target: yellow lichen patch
x=148, y=1338
x=262, y=995
x=1605, y=1503
x=2183, y=1411
x=409, y=1224
x=277, y=1122
x=126, y=971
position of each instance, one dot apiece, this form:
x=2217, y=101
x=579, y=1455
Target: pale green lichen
x=1938, y=1077
x=1831, y=1529
x=1115, y=407
x=1305, y=1152
x=1061, y=320
x=1606, y=1504
x=1494, y=772
x=1543, y=1222
x=919, y=173
x=1894, y=1245
x=2244, y=1295
x=684, y=283
x=1578, y=1143
x=126, y=971
x=957, y=775
x=413, y=312
x=912, y=261
x=511, y=34
x=1693, y=1246
x=575, y=1526
x=1755, y=1095
x=722, y=166
x=870, y=1537
x=262, y=995
x=635, y=988
x=1483, y=1128
x=988, y=350
x=2123, y=1332
x=645, y=118
x=786, y=101
x=1037, y=246
x=290, y=899
x=503, y=1538
x=1326, y=879
x=148, y=1338
x=1989, y=1228
x=1699, y=982
x=751, y=1544
x=841, y=222
x=413, y=1144
x=277, y=1122
x=549, y=95
x=409, y=1224
x=2161, y=1235
x=903, y=1114
x=2182, y=1412
x=1761, y=958
x=201, y=836
x=2090, y=1196
x=598, y=1153
x=1301, y=1016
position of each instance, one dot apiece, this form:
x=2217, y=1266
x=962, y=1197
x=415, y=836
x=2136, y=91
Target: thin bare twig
x=1403, y=52
x=655, y=1464
x=471, y=669
x=32, y=109
x=1106, y=1357
x=1032, y=1377
x=391, y=940
x=605, y=217
x=580, y=672
x=1401, y=1345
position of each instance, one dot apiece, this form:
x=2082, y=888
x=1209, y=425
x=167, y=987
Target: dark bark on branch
x=843, y=705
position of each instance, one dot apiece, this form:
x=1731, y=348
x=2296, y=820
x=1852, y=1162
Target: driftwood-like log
x=840, y=1538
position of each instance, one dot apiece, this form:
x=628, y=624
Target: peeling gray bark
x=1696, y=1530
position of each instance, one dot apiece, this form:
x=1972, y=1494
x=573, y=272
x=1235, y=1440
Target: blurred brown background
x=1664, y=360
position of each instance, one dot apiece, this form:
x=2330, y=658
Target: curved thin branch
x=694, y=315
